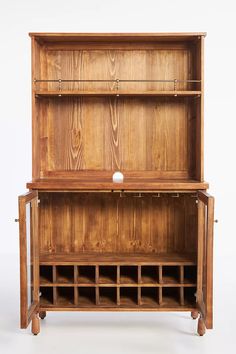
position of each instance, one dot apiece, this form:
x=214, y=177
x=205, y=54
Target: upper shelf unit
x=118, y=102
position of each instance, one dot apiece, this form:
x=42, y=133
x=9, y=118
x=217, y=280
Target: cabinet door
x=29, y=259
x=205, y=257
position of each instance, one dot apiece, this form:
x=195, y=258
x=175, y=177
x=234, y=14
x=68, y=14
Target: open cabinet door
x=205, y=257
x=29, y=259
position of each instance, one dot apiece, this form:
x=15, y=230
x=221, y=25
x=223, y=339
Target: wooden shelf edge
x=117, y=308
x=121, y=285
x=67, y=185
x=117, y=259
x=115, y=34
x=64, y=93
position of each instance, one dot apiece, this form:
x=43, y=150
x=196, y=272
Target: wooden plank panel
x=97, y=222
x=128, y=134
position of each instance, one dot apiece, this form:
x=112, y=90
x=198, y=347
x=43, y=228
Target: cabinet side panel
x=200, y=111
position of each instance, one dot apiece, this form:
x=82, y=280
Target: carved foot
x=42, y=314
x=35, y=328
x=194, y=315
x=201, y=329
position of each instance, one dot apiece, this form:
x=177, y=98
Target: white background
x=118, y=333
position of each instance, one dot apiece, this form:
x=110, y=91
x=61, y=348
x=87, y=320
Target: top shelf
x=69, y=93
x=118, y=87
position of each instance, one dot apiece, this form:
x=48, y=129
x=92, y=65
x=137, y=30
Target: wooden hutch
x=117, y=102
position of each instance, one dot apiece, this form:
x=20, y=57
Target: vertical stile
x=97, y=274
x=160, y=295
x=160, y=282
x=118, y=295
x=139, y=287
x=76, y=296
x=181, y=275
x=97, y=298
x=118, y=275
x=181, y=290
x=54, y=279
x=160, y=274
x=118, y=285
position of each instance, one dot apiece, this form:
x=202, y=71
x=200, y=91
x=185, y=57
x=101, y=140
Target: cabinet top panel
x=51, y=37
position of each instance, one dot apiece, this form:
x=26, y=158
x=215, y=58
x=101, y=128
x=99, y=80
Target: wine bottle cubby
x=118, y=285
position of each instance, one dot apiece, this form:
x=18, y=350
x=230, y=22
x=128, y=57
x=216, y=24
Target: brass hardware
x=60, y=82
x=175, y=195
x=117, y=84
x=175, y=84
x=119, y=80
x=17, y=220
x=122, y=195
x=156, y=195
x=138, y=196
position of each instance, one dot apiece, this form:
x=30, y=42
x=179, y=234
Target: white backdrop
x=217, y=18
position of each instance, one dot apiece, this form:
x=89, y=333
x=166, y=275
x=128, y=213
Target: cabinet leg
x=42, y=314
x=194, y=315
x=201, y=329
x=35, y=328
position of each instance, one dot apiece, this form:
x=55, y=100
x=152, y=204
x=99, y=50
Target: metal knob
x=216, y=221
x=16, y=220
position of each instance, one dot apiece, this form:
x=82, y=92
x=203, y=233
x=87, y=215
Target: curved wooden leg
x=42, y=314
x=35, y=328
x=194, y=315
x=201, y=329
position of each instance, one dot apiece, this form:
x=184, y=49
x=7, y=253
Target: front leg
x=35, y=328
x=201, y=328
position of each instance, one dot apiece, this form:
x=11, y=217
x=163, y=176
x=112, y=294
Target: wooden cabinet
x=117, y=102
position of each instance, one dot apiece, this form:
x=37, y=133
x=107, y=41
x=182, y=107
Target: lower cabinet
x=96, y=251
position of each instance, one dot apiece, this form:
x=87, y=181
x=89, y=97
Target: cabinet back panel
x=168, y=62
x=101, y=222
x=128, y=134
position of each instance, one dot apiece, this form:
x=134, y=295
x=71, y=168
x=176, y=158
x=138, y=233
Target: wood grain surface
x=101, y=222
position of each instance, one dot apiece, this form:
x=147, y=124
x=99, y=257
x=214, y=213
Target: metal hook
x=175, y=195
x=156, y=195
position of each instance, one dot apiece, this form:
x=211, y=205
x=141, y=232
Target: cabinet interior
x=118, y=249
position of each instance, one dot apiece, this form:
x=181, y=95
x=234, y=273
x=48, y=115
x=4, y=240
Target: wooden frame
x=205, y=257
x=27, y=313
x=118, y=102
